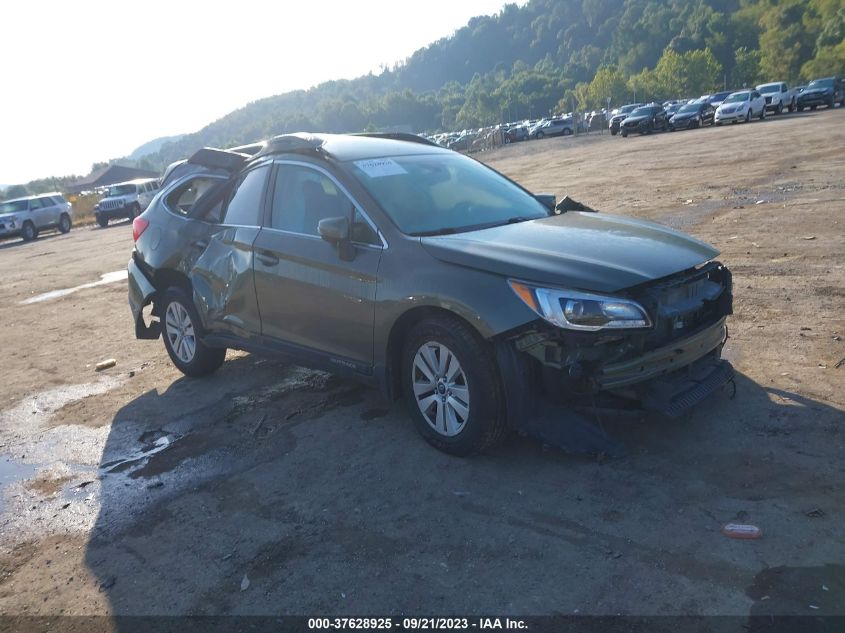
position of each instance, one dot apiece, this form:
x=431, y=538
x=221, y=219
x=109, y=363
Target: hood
x=820, y=89
x=680, y=116
x=578, y=250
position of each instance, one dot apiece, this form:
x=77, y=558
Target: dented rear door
x=222, y=275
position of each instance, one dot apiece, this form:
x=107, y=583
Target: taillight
x=139, y=225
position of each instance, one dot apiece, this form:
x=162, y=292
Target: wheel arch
x=392, y=383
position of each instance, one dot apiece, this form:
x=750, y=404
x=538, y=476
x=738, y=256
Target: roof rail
x=399, y=136
x=297, y=142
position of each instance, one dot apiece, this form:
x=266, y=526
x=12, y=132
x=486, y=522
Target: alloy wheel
x=440, y=388
x=180, y=332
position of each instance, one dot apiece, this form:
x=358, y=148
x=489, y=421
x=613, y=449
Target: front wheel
x=28, y=231
x=763, y=114
x=64, y=223
x=540, y=135
x=181, y=336
x=134, y=211
x=624, y=134
x=452, y=387
x=567, y=132
x=779, y=109
x=102, y=221
x=748, y=116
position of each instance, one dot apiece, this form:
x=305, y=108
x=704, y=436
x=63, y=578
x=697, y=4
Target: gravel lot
x=137, y=491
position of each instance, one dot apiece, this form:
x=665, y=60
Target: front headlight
x=574, y=310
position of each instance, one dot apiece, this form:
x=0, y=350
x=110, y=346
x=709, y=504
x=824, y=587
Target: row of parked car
x=726, y=107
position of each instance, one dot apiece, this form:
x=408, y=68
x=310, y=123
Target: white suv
x=28, y=216
x=125, y=200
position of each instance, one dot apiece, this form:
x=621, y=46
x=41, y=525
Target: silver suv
x=29, y=216
x=125, y=200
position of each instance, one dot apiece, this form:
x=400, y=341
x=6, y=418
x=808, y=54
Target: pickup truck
x=778, y=96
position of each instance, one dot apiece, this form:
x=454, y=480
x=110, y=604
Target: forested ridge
x=550, y=56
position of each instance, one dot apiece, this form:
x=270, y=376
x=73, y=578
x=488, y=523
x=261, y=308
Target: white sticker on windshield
x=380, y=167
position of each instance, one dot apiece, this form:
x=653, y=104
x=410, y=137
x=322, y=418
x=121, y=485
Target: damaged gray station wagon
x=426, y=273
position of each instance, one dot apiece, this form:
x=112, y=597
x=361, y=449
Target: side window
x=181, y=200
x=244, y=208
x=304, y=196
x=40, y=203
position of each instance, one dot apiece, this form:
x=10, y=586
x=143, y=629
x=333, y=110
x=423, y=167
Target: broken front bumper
x=663, y=360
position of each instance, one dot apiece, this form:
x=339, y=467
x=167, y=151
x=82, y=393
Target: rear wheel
x=64, y=223
x=182, y=336
x=28, y=231
x=452, y=387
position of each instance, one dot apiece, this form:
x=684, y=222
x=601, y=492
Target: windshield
x=821, y=83
x=627, y=108
x=642, y=111
x=430, y=194
x=690, y=107
x=119, y=190
x=769, y=88
x=738, y=97
x=14, y=206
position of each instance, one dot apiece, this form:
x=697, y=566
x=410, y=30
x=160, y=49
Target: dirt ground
x=270, y=489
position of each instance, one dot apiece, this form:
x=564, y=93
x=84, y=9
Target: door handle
x=268, y=259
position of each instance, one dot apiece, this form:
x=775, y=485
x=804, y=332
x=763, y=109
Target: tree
x=786, y=41
x=828, y=61
x=746, y=70
x=15, y=191
x=609, y=83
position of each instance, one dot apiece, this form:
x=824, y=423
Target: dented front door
x=222, y=275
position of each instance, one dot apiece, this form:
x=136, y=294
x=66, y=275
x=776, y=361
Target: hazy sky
x=89, y=80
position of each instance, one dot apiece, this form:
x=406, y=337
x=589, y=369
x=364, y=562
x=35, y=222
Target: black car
x=645, y=119
x=691, y=116
x=619, y=115
x=827, y=92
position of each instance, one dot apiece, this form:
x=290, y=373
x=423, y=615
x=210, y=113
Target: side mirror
x=548, y=200
x=336, y=231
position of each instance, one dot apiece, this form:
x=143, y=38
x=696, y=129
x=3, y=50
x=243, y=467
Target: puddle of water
x=11, y=472
x=108, y=278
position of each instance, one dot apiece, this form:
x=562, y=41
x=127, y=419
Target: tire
x=28, y=231
x=748, y=116
x=831, y=104
x=812, y=107
x=64, y=223
x=134, y=211
x=102, y=221
x=624, y=134
x=800, y=108
x=181, y=327
x=462, y=413
x=612, y=133
x=540, y=135
x=567, y=132
x=763, y=114
x=779, y=109
x=507, y=141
